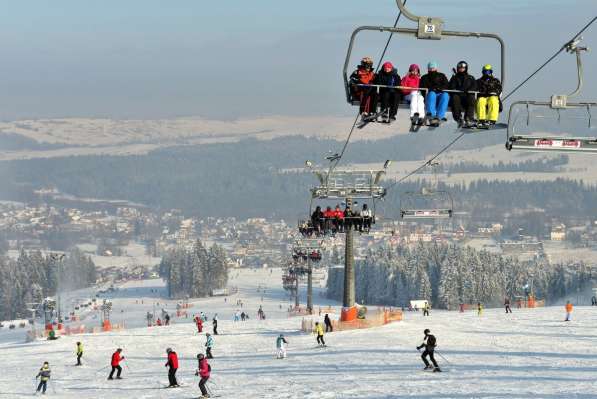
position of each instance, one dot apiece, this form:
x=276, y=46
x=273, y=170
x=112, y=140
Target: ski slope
x=528, y=354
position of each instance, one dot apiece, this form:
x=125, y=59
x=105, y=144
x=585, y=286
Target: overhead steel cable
x=337, y=159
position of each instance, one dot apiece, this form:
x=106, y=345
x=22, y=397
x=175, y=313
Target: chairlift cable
x=383, y=53
x=444, y=149
x=551, y=58
x=337, y=161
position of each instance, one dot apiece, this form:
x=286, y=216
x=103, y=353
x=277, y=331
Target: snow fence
x=377, y=318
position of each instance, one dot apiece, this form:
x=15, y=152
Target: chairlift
x=344, y=186
x=523, y=134
x=429, y=28
x=426, y=204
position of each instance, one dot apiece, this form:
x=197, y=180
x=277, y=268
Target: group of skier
x=337, y=220
x=428, y=95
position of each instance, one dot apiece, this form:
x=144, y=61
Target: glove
x=418, y=348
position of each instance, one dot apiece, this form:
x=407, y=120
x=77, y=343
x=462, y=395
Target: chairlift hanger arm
x=414, y=32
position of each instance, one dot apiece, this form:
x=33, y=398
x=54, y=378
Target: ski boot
x=414, y=120
x=428, y=367
x=437, y=370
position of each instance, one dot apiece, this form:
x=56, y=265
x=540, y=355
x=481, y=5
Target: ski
x=368, y=119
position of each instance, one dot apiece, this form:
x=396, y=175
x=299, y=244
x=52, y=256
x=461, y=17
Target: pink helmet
x=387, y=65
x=413, y=67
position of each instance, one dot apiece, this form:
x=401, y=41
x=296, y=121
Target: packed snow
x=531, y=353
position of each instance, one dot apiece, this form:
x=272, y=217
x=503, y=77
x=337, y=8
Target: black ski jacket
x=387, y=78
x=435, y=81
x=463, y=82
x=429, y=342
x=489, y=86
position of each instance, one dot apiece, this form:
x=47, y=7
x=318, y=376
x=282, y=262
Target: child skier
x=208, y=345
x=79, y=353
x=172, y=365
x=115, y=363
x=319, y=332
x=44, y=377
x=429, y=342
x=203, y=372
x=280, y=346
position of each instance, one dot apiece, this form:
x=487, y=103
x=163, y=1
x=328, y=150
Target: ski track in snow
x=531, y=353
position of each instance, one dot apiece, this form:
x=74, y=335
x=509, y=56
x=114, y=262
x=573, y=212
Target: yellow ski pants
x=488, y=108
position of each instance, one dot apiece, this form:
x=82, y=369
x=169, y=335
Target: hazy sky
x=236, y=58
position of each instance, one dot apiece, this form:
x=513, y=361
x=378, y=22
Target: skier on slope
x=209, y=345
x=429, y=343
x=426, y=308
x=199, y=324
x=115, y=363
x=215, y=324
x=319, y=332
x=44, y=377
x=280, y=346
x=172, y=365
x=204, y=372
x=507, y=305
x=328, y=323
x=79, y=353
x=569, y=308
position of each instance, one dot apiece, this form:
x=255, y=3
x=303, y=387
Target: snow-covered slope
x=528, y=354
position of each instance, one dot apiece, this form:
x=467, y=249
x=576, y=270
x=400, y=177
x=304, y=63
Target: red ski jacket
x=410, y=81
x=116, y=359
x=203, y=368
x=172, y=360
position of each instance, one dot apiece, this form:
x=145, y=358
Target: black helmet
x=462, y=64
x=200, y=356
x=426, y=331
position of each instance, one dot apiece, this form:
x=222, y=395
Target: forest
x=194, y=272
x=34, y=276
x=449, y=275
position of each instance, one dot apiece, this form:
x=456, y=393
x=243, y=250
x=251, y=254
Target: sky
x=228, y=59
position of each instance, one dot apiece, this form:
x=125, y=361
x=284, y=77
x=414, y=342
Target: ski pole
x=442, y=356
x=103, y=368
x=53, y=387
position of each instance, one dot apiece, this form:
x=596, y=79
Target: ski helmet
x=432, y=65
x=487, y=70
x=119, y=350
x=426, y=331
x=414, y=67
x=387, y=65
x=168, y=350
x=200, y=356
x=462, y=64
x=367, y=62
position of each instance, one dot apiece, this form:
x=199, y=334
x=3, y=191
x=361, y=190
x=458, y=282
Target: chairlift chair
x=344, y=186
x=426, y=204
x=429, y=28
x=559, y=141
